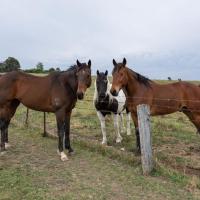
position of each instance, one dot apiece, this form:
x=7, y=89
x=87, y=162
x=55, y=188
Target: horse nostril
x=113, y=92
x=80, y=95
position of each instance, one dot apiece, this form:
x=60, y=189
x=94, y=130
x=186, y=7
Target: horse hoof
x=63, y=157
x=123, y=130
x=2, y=153
x=104, y=143
x=138, y=152
x=128, y=132
x=7, y=145
x=71, y=153
x=118, y=140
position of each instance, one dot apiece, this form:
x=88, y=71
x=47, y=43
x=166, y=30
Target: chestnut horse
x=56, y=93
x=162, y=99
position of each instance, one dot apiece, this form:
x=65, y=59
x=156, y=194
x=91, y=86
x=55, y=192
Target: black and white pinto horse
x=105, y=103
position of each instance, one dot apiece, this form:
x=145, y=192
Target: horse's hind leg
x=196, y=121
x=128, y=122
x=194, y=118
x=122, y=127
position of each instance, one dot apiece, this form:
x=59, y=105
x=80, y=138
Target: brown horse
x=56, y=93
x=162, y=99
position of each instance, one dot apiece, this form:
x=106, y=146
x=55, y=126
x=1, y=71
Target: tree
x=40, y=67
x=169, y=78
x=2, y=67
x=10, y=64
x=58, y=69
x=51, y=70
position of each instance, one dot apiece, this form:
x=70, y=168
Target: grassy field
x=31, y=168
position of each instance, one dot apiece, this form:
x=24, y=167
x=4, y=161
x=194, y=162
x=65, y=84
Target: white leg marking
x=7, y=145
x=2, y=153
x=63, y=156
x=128, y=121
x=116, y=126
x=122, y=127
x=103, y=127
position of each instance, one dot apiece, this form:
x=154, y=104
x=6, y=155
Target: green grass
x=31, y=169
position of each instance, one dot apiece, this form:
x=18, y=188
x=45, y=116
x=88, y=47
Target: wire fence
x=84, y=119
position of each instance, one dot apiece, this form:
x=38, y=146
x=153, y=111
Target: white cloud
x=149, y=33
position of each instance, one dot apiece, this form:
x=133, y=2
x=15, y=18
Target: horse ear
x=89, y=63
x=106, y=73
x=97, y=72
x=114, y=62
x=124, y=61
x=78, y=63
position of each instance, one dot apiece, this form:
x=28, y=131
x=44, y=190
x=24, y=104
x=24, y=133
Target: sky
x=158, y=38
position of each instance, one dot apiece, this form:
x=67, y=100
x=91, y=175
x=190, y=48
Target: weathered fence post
x=143, y=113
x=27, y=116
x=45, y=133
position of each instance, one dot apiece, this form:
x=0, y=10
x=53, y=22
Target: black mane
x=141, y=79
x=72, y=67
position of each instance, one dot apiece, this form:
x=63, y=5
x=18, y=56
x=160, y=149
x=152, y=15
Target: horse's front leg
x=135, y=120
x=7, y=145
x=103, y=126
x=67, y=132
x=4, y=133
x=2, y=141
x=116, y=126
x=60, y=117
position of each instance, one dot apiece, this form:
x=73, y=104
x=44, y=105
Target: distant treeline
x=11, y=64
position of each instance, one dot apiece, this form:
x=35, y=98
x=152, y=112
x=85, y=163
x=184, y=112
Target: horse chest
x=107, y=106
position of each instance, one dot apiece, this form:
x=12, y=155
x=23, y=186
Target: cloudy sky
x=158, y=38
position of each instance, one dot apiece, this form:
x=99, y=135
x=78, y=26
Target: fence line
x=147, y=98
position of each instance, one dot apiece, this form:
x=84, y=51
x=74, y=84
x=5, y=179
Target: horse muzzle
x=114, y=92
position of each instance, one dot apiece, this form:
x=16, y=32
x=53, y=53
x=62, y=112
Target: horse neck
x=70, y=80
x=133, y=87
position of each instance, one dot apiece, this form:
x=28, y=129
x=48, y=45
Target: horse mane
x=140, y=78
x=75, y=67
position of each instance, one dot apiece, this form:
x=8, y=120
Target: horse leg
x=3, y=127
x=135, y=120
x=128, y=123
x=194, y=118
x=67, y=132
x=60, y=118
x=103, y=126
x=122, y=127
x=116, y=126
x=12, y=109
x=2, y=141
x=7, y=145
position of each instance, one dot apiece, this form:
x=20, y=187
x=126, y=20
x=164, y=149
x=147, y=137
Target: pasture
x=31, y=169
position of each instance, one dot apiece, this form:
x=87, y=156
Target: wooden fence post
x=143, y=113
x=45, y=132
